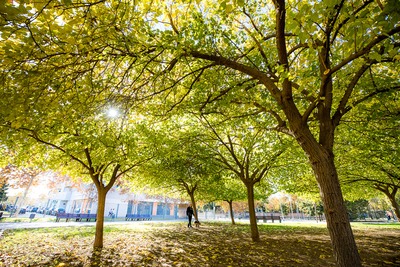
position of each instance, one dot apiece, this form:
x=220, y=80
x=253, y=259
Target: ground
x=213, y=244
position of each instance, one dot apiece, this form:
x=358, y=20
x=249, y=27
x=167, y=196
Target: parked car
x=10, y=208
x=31, y=209
x=40, y=210
x=22, y=211
x=34, y=209
x=49, y=211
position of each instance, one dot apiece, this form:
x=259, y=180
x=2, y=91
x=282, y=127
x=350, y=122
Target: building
x=84, y=200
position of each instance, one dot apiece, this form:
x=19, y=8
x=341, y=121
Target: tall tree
x=229, y=190
x=67, y=96
x=369, y=140
x=183, y=165
x=247, y=152
x=306, y=62
x=302, y=64
x=103, y=150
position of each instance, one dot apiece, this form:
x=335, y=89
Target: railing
x=76, y=216
x=137, y=217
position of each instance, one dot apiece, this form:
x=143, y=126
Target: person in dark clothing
x=189, y=213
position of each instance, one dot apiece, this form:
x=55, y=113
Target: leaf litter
x=172, y=244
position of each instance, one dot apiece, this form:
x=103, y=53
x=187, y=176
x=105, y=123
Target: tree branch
x=364, y=50
x=341, y=110
x=262, y=77
x=35, y=136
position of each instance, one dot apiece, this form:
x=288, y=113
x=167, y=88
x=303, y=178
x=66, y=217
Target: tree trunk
x=101, y=200
x=231, y=211
x=344, y=246
x=255, y=236
x=321, y=157
x=392, y=199
x=396, y=208
x=194, y=206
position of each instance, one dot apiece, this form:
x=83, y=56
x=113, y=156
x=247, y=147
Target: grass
x=213, y=244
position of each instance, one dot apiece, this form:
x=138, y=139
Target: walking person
x=189, y=213
x=111, y=214
x=389, y=215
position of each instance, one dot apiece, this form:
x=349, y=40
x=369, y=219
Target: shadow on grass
x=173, y=244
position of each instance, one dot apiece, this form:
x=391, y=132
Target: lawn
x=213, y=244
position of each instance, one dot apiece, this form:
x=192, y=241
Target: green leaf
x=240, y=3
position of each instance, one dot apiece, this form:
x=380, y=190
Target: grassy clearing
x=213, y=244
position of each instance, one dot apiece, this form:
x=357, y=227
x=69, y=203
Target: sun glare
x=112, y=112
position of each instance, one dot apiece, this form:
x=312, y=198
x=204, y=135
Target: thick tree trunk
x=255, y=236
x=101, y=202
x=344, y=246
x=321, y=157
x=231, y=211
x=396, y=208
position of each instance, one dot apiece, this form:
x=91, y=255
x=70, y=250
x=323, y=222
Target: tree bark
x=255, y=236
x=101, y=202
x=341, y=234
x=321, y=158
x=194, y=206
x=395, y=207
x=231, y=211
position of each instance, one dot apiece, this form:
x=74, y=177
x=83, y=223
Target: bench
x=66, y=216
x=76, y=216
x=137, y=217
x=87, y=217
x=265, y=218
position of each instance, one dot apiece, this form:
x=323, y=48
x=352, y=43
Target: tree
x=372, y=146
x=307, y=62
x=296, y=177
x=23, y=177
x=3, y=192
x=357, y=209
x=247, y=152
x=182, y=166
x=303, y=64
x=68, y=99
x=103, y=148
x=229, y=190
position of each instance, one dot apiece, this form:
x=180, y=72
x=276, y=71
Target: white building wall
x=74, y=201
x=116, y=202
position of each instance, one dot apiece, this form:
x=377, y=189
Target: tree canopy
x=300, y=68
